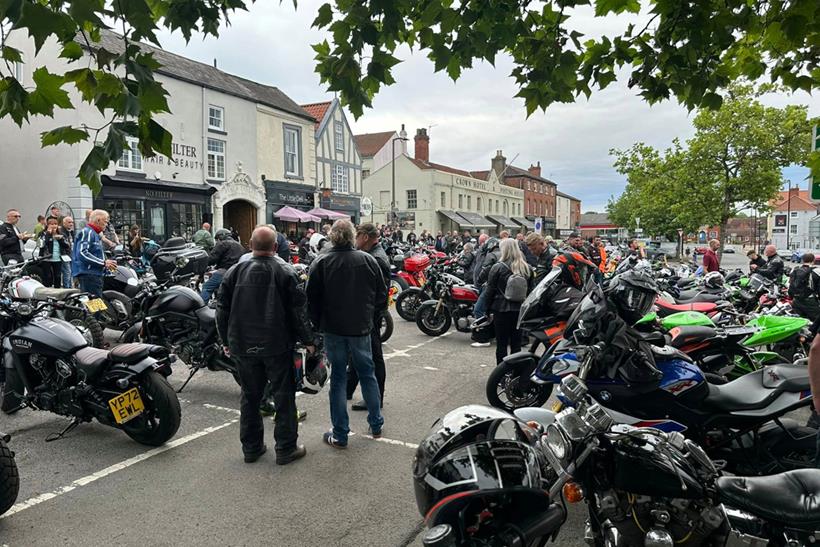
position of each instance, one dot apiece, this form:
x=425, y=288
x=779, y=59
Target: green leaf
x=13, y=55
x=43, y=23
x=96, y=161
x=14, y=100
x=65, y=134
x=48, y=93
x=712, y=101
x=85, y=82
x=604, y=7
x=114, y=143
x=323, y=17
x=72, y=50
x=153, y=137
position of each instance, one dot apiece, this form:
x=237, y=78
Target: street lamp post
x=788, y=215
x=393, y=208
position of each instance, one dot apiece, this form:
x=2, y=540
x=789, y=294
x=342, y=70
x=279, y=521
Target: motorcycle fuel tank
x=635, y=459
x=47, y=336
x=465, y=294
x=176, y=300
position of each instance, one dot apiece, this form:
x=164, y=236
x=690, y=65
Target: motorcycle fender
x=429, y=303
x=127, y=371
x=133, y=333
x=12, y=361
x=541, y=416
x=113, y=297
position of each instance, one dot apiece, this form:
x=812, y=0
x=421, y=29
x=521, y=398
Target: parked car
x=729, y=250
x=797, y=254
x=785, y=254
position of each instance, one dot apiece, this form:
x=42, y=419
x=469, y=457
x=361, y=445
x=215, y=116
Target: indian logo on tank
x=21, y=343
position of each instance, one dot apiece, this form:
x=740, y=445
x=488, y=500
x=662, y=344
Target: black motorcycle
x=49, y=366
x=9, y=477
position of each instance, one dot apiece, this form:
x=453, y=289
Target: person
x=398, y=237
x=203, y=238
x=283, y=247
x=531, y=259
x=88, y=263
x=601, y=252
x=710, y=258
x=576, y=243
x=56, y=212
x=67, y=230
x=814, y=383
x=466, y=237
x=109, y=236
x=225, y=254
x=367, y=240
x=755, y=259
x=345, y=290
x=52, y=252
x=326, y=229
x=304, y=245
x=40, y=226
x=269, y=318
x=411, y=237
x=504, y=234
x=773, y=269
x=503, y=305
x=543, y=255
x=489, y=255
x=466, y=260
x=135, y=241
x=11, y=238
x=804, y=289
x=634, y=249
x=441, y=243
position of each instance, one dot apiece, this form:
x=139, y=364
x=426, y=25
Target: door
x=241, y=216
x=156, y=221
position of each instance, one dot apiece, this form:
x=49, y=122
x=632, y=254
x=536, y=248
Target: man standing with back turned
x=269, y=318
x=345, y=290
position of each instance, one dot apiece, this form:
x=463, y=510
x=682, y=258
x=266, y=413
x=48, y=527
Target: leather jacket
x=345, y=290
x=225, y=254
x=773, y=269
x=9, y=242
x=380, y=255
x=270, y=313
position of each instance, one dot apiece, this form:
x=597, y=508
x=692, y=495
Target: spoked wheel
x=162, y=415
x=503, y=390
x=90, y=328
x=433, y=320
x=408, y=303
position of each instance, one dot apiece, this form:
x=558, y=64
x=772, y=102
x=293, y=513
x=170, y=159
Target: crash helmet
x=317, y=241
x=492, y=244
x=633, y=293
x=713, y=280
x=310, y=371
x=576, y=269
x=222, y=234
x=482, y=329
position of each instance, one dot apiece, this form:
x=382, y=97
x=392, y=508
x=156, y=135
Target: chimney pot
x=535, y=170
x=422, y=145
x=499, y=163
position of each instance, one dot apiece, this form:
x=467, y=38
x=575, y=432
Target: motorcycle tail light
x=573, y=492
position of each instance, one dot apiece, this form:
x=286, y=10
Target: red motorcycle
x=454, y=305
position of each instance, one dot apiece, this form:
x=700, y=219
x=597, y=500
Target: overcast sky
x=471, y=119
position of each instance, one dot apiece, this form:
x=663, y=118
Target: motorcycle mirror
x=181, y=262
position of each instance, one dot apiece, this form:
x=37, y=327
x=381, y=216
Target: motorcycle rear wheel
x=432, y=323
x=9, y=478
x=502, y=390
x=407, y=304
x=385, y=327
x=162, y=416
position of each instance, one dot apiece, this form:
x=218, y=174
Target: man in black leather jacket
x=268, y=319
x=773, y=269
x=345, y=290
x=367, y=240
x=225, y=254
x=11, y=238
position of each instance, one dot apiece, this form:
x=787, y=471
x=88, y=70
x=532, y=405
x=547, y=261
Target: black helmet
x=713, y=280
x=492, y=244
x=221, y=234
x=576, y=269
x=483, y=329
x=634, y=293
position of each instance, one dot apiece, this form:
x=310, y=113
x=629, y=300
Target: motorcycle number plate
x=126, y=406
x=96, y=304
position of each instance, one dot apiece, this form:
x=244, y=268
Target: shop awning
x=528, y=224
x=476, y=220
x=330, y=215
x=503, y=221
x=289, y=214
x=455, y=218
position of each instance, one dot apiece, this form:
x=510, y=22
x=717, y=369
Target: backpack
x=517, y=287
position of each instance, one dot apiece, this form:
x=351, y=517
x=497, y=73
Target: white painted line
x=429, y=368
x=222, y=408
x=404, y=352
x=84, y=481
x=392, y=441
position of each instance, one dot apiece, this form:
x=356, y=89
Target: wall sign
x=182, y=155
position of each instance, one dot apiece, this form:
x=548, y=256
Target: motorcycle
x=386, y=320
x=454, y=305
x=413, y=275
x=50, y=367
x=9, y=476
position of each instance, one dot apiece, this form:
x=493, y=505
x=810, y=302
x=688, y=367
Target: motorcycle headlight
x=556, y=442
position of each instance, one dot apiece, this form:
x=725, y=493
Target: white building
x=378, y=149
x=789, y=225
x=213, y=174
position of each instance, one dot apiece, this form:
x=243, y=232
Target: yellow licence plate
x=557, y=406
x=95, y=305
x=126, y=406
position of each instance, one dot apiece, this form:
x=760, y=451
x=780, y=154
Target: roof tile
x=369, y=144
x=317, y=111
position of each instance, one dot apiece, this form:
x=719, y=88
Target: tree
x=732, y=163
x=688, y=49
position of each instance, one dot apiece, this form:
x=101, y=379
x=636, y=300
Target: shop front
x=349, y=205
x=162, y=209
x=285, y=194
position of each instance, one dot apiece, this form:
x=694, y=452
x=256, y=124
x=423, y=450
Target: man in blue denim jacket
x=88, y=262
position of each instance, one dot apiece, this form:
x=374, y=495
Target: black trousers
x=808, y=308
x=52, y=274
x=378, y=361
x=254, y=374
x=506, y=334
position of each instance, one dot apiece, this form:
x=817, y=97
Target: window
x=384, y=199
x=365, y=173
x=460, y=201
x=496, y=206
x=185, y=219
x=478, y=204
x=444, y=199
x=339, y=136
x=216, y=159
x=338, y=179
x=131, y=159
x=293, y=151
x=469, y=202
x=216, y=118
x=794, y=214
x=411, y=199
x=793, y=229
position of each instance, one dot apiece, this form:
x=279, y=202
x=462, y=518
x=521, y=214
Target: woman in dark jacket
x=504, y=311
x=54, y=248
x=466, y=262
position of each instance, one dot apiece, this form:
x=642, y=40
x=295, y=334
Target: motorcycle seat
x=136, y=352
x=788, y=498
x=690, y=297
x=91, y=361
x=47, y=293
x=206, y=315
x=687, y=335
x=757, y=389
x=667, y=308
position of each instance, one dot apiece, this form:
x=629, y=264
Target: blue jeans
x=211, y=285
x=357, y=349
x=92, y=284
x=67, y=275
x=480, y=309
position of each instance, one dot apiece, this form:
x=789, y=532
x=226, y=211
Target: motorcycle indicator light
x=573, y=492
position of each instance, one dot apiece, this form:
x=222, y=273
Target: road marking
x=84, y=481
x=429, y=368
x=404, y=352
x=392, y=441
x=222, y=408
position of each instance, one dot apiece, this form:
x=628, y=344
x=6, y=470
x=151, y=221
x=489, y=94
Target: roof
x=594, y=219
x=563, y=195
x=799, y=202
x=317, y=111
x=513, y=171
x=370, y=143
x=188, y=70
x=437, y=166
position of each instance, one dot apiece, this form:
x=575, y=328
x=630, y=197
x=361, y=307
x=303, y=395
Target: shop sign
x=159, y=194
x=348, y=203
x=291, y=198
x=182, y=155
x=471, y=183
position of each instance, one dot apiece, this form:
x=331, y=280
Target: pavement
x=98, y=487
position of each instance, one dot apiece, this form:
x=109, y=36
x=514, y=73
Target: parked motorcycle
x=454, y=306
x=9, y=476
x=50, y=367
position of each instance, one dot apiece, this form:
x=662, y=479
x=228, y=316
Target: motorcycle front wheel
x=9, y=478
x=408, y=303
x=162, y=415
x=91, y=328
x=503, y=389
x=433, y=320
x=385, y=327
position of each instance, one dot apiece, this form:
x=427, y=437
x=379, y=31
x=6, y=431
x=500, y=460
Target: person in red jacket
x=710, y=259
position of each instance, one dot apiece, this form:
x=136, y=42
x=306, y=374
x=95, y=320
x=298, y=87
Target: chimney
x=215, y=63
x=422, y=145
x=499, y=163
x=535, y=170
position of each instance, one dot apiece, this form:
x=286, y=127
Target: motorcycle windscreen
x=531, y=307
x=582, y=324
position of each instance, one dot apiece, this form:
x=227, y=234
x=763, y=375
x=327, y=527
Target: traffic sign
x=366, y=207
x=539, y=224
x=815, y=180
